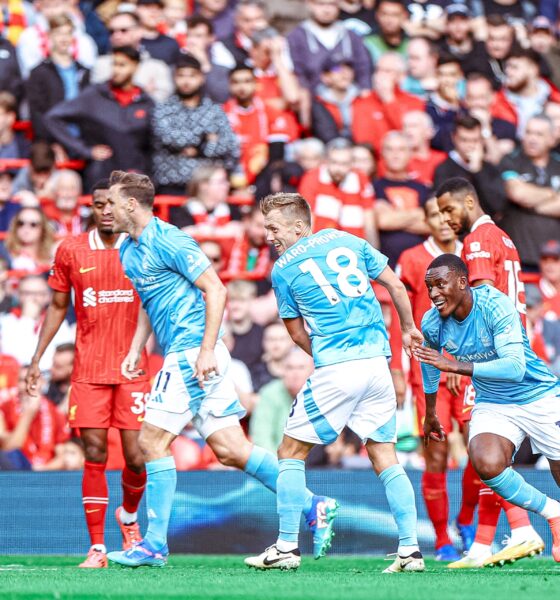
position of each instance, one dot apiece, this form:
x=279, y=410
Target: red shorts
x=449, y=406
x=101, y=406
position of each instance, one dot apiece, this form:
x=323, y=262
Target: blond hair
x=294, y=204
x=134, y=185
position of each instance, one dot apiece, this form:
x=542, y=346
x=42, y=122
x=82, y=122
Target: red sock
x=489, y=507
x=434, y=490
x=469, y=500
x=516, y=516
x=133, y=485
x=95, y=499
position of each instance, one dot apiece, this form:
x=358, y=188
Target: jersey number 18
x=350, y=279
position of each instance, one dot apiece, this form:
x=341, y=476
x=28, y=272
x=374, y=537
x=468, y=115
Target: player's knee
x=228, y=456
x=95, y=453
x=488, y=465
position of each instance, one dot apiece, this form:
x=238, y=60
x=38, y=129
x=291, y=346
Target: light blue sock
x=290, y=498
x=160, y=490
x=510, y=485
x=400, y=496
x=263, y=466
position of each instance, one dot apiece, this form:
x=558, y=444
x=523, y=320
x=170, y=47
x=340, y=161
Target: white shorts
x=357, y=393
x=539, y=421
x=176, y=399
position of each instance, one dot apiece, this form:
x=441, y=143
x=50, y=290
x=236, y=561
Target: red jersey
x=419, y=169
x=48, y=429
x=106, y=307
x=411, y=270
x=340, y=206
x=256, y=126
x=490, y=254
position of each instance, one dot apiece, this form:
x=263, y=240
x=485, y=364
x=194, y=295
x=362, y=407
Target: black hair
x=241, y=67
x=452, y=262
x=102, y=184
x=528, y=53
x=466, y=121
x=130, y=52
x=188, y=61
x=446, y=58
x=456, y=185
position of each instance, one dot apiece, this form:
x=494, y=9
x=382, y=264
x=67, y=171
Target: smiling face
x=447, y=290
x=454, y=213
x=281, y=230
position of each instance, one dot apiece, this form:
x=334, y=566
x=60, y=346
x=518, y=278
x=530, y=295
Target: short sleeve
x=59, y=276
x=430, y=331
x=508, y=169
x=479, y=257
x=287, y=305
x=181, y=253
x=375, y=261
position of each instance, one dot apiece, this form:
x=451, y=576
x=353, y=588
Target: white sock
x=284, y=546
x=551, y=509
x=522, y=534
x=128, y=518
x=478, y=550
x=404, y=551
x=100, y=547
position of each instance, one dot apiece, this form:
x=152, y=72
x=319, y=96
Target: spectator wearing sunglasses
x=30, y=241
x=152, y=75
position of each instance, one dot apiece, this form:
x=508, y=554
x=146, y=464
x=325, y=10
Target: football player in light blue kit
x=322, y=282
x=170, y=273
x=516, y=395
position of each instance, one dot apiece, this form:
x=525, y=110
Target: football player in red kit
x=451, y=396
x=106, y=306
x=492, y=259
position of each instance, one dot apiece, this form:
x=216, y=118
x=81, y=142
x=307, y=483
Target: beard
x=189, y=95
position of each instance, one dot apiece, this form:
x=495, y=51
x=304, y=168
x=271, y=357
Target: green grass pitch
x=225, y=577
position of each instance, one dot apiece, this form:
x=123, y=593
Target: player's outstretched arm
x=53, y=320
x=206, y=365
x=432, y=428
x=143, y=330
x=411, y=337
x=298, y=333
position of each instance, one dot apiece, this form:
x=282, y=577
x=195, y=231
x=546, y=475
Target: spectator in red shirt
x=549, y=283
x=419, y=131
x=207, y=213
x=525, y=93
x=399, y=212
x=251, y=253
x=383, y=108
x=64, y=212
x=262, y=130
x=32, y=431
x=340, y=196
x=499, y=135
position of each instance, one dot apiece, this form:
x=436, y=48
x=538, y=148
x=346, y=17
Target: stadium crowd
x=365, y=107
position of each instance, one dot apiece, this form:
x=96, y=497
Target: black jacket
x=10, y=74
x=102, y=120
x=45, y=89
x=487, y=183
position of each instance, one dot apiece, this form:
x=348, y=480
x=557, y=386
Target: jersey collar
x=481, y=221
x=96, y=243
x=434, y=250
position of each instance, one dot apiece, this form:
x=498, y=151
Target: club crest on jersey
x=484, y=338
x=450, y=346
x=475, y=246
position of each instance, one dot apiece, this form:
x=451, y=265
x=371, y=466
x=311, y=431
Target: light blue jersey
x=325, y=278
x=491, y=329
x=163, y=267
